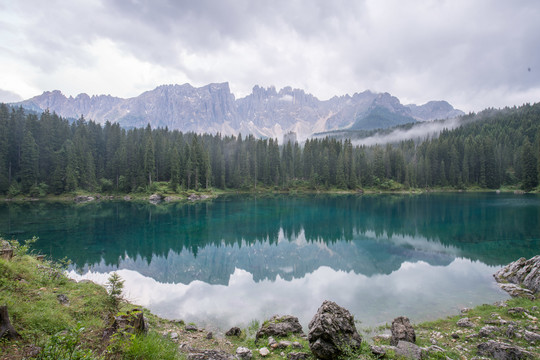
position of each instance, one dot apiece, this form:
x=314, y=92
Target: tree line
x=45, y=153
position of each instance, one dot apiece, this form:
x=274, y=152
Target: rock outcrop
x=6, y=251
x=280, y=326
x=502, y=351
x=523, y=272
x=332, y=330
x=402, y=330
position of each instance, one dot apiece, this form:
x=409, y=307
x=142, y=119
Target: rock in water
x=522, y=272
x=502, y=351
x=402, y=330
x=331, y=330
x=280, y=326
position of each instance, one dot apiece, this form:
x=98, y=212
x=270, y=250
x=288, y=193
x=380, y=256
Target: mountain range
x=264, y=113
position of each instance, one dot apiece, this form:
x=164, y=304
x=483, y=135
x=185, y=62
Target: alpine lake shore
x=46, y=315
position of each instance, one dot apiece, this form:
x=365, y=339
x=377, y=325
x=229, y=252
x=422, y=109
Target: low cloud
x=419, y=131
x=7, y=96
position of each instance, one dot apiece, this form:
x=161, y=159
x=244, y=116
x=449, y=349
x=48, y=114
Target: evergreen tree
x=29, y=162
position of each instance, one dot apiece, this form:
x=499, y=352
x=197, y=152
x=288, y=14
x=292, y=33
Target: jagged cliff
x=264, y=113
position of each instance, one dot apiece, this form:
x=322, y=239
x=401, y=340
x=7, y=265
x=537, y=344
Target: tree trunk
x=6, y=329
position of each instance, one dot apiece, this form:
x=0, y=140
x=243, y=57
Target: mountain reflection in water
x=239, y=258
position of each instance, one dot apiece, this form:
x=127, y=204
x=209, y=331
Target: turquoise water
x=238, y=258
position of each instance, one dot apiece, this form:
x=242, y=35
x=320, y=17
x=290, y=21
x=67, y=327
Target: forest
x=46, y=154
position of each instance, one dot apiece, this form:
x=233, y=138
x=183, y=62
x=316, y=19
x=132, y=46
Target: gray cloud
x=9, y=96
x=473, y=54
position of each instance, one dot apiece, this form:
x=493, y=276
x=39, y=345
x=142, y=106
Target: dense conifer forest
x=47, y=154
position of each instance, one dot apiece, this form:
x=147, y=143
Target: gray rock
x=62, y=299
x=280, y=326
x=531, y=336
x=264, y=352
x=271, y=341
x=408, y=350
x=465, y=322
x=522, y=272
x=502, y=351
x=243, y=353
x=378, y=351
x=510, y=331
x=190, y=327
x=234, y=331
x=83, y=198
x=283, y=344
x=402, y=330
x=331, y=329
x=517, y=291
x=174, y=335
x=297, y=356
x=297, y=345
x=488, y=331
x=155, y=198
x=516, y=310
x=196, y=354
x=209, y=336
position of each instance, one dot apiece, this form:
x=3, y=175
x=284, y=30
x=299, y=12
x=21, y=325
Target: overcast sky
x=472, y=53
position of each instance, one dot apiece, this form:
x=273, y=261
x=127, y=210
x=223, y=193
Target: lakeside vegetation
x=53, y=329
x=46, y=154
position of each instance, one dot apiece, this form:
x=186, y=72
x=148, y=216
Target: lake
x=236, y=259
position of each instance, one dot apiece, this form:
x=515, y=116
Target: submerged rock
x=331, y=330
x=280, y=326
x=402, y=330
x=155, y=198
x=523, y=272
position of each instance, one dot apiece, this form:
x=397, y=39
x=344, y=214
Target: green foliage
x=21, y=250
x=493, y=148
x=115, y=288
x=66, y=345
x=149, y=347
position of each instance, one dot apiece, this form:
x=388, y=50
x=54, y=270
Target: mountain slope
x=264, y=113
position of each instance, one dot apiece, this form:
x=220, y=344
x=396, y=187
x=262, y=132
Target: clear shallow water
x=239, y=258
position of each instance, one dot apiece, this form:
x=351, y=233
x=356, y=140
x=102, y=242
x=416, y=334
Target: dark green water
x=239, y=258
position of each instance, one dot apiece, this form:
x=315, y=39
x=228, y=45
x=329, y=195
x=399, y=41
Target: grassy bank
x=35, y=292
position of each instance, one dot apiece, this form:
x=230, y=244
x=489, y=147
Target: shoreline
x=193, y=196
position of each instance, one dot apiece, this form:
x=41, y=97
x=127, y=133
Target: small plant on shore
x=115, y=289
x=66, y=345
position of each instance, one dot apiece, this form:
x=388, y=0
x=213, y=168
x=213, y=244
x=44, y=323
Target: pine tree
x=529, y=167
x=29, y=162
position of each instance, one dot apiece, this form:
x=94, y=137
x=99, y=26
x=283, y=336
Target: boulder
x=209, y=336
x=234, y=331
x=402, y=330
x=264, y=352
x=408, y=350
x=155, y=198
x=191, y=327
x=280, y=326
x=502, y=351
x=523, y=272
x=488, y=331
x=517, y=291
x=465, y=322
x=531, y=337
x=243, y=353
x=331, y=330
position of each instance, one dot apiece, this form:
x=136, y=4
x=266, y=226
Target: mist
x=420, y=131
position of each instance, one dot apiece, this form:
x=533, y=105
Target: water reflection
x=419, y=290
x=380, y=256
